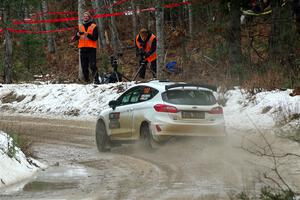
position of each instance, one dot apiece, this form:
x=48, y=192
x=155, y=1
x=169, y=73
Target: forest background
x=223, y=42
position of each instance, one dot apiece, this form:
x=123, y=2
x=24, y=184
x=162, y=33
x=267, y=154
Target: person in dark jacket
x=146, y=49
x=87, y=35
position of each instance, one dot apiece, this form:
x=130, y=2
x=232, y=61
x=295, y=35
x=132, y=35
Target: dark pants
x=152, y=68
x=88, y=59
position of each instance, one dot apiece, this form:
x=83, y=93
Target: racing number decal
x=114, y=120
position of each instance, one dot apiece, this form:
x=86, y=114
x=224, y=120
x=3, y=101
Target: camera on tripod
x=114, y=63
x=114, y=76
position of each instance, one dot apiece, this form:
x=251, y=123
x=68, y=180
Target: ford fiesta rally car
x=155, y=111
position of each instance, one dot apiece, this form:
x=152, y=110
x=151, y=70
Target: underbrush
x=267, y=193
x=16, y=143
x=269, y=80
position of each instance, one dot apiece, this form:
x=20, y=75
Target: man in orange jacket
x=146, y=48
x=87, y=35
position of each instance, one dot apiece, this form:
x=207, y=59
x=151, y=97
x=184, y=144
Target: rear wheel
x=102, y=139
x=147, y=138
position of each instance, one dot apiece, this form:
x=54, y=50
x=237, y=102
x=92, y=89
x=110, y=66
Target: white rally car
x=155, y=111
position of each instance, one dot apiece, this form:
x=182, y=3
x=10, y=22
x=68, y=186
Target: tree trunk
x=134, y=19
x=116, y=43
x=234, y=40
x=50, y=37
x=97, y=5
x=25, y=10
x=81, y=4
x=282, y=37
x=190, y=11
x=274, y=47
x=234, y=33
x=160, y=38
x=8, y=61
x=296, y=10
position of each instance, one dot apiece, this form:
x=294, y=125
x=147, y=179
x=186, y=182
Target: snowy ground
x=263, y=111
x=14, y=166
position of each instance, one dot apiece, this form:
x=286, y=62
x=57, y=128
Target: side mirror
x=112, y=104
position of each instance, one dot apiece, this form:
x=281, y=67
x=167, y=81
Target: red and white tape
x=76, y=12
x=173, y=5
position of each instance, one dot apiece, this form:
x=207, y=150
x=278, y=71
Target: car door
x=121, y=118
x=141, y=107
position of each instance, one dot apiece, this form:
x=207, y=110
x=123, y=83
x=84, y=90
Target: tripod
x=115, y=75
x=115, y=64
x=143, y=63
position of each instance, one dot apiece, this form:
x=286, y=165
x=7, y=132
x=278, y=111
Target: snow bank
x=85, y=101
x=15, y=167
x=263, y=110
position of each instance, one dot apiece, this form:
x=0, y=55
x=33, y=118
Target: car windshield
x=189, y=97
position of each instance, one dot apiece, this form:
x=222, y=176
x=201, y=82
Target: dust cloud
x=183, y=168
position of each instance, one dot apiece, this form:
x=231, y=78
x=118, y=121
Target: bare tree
x=190, y=13
x=266, y=150
x=25, y=9
x=81, y=4
x=50, y=37
x=281, y=46
x=134, y=19
x=234, y=36
x=8, y=46
x=116, y=43
x=98, y=6
x=160, y=38
x=296, y=11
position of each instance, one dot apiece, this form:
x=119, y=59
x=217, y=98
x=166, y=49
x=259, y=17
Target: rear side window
x=189, y=97
x=147, y=94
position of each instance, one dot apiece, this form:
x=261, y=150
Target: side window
x=129, y=96
x=147, y=93
x=125, y=99
x=136, y=95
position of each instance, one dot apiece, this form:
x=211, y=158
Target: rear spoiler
x=183, y=85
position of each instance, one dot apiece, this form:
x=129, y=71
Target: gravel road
x=192, y=168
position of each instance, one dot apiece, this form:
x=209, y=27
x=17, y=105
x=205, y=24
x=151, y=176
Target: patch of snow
x=16, y=167
x=84, y=101
x=264, y=110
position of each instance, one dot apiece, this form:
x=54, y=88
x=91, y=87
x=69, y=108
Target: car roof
x=161, y=85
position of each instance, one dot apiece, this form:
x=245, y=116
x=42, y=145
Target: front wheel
x=102, y=139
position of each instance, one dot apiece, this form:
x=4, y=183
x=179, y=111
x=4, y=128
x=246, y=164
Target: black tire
x=102, y=139
x=147, y=139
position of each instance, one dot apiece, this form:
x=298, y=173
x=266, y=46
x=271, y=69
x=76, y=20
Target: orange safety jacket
x=85, y=41
x=153, y=56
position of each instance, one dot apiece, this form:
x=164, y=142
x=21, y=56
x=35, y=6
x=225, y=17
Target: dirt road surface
x=182, y=169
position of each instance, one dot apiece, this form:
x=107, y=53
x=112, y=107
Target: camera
x=81, y=33
x=114, y=63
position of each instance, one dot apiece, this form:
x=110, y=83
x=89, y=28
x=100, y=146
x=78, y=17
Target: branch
x=273, y=156
x=273, y=180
